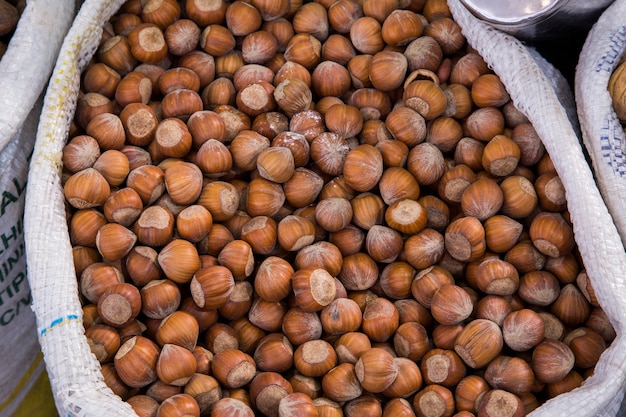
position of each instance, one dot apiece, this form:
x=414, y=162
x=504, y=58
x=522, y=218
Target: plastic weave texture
x=603, y=134
x=24, y=72
x=75, y=374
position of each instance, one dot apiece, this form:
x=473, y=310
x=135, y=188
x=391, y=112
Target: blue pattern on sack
x=614, y=51
x=58, y=322
x=612, y=147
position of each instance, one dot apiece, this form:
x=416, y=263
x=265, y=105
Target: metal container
x=539, y=19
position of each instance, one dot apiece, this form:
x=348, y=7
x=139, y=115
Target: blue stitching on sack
x=59, y=321
x=614, y=51
x=612, y=148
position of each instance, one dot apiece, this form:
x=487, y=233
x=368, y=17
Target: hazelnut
x=358, y=272
x=465, y=239
x=401, y=27
x=529, y=142
x=297, y=403
x=493, y=307
x=227, y=406
x=451, y=304
x=494, y=400
x=114, y=241
x=445, y=133
x=502, y=232
x=380, y=319
x=489, y=91
x=136, y=361
x=205, y=389
x=160, y=298
x=587, y=346
x=267, y=389
x=115, y=52
x=484, y=123
x=341, y=383
x=366, y=404
x=366, y=35
x=119, y=304
x=520, y=197
x=300, y=326
x=211, y=286
x=522, y=329
x=552, y=360
x=372, y=103
x=571, y=381
x=408, y=381
x=482, y=199
x=272, y=10
x=86, y=188
x=143, y=405
x=571, y=306
x=175, y=365
x=342, y=14
x=314, y=288
x=453, y=181
x=304, y=49
x=314, y=358
x=337, y=48
x=103, y=341
x=425, y=248
x=233, y=368
x=459, y=104
x=179, y=405
x=383, y=244
x=267, y=315
x=274, y=353
x=469, y=391
x=479, y=342
x=468, y=68
x=376, y=370
x=497, y=277
x=433, y=399
x=443, y=367
x=282, y=29
x=242, y=18
x=525, y=257
x=500, y=156
x=426, y=97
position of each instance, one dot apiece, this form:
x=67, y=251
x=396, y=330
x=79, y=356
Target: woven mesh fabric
x=75, y=374
x=531, y=88
x=603, y=134
x=28, y=61
x=24, y=71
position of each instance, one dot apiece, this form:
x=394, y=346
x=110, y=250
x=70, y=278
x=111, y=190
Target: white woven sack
x=603, y=135
x=596, y=235
x=24, y=72
x=74, y=372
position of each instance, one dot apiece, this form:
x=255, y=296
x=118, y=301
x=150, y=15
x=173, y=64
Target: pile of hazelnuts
x=323, y=208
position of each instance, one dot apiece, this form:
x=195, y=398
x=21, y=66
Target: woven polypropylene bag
x=602, y=131
x=24, y=72
x=597, y=237
x=533, y=84
x=75, y=374
x=603, y=134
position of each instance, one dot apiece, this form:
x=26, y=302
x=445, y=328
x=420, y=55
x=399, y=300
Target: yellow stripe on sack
x=58, y=322
x=23, y=381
